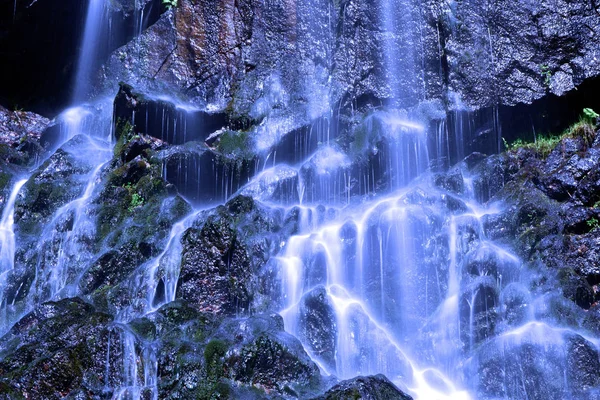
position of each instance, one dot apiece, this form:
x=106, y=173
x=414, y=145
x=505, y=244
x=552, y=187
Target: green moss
x=169, y=4
x=136, y=201
x=5, y=150
x=546, y=74
x=235, y=145
x=125, y=131
x=585, y=128
x=144, y=327
x=214, y=350
x=4, y=180
x=593, y=223
x=9, y=391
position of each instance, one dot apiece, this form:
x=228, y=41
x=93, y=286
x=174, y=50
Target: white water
x=413, y=282
x=7, y=236
x=92, y=40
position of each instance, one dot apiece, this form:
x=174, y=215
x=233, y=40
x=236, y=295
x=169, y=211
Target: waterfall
x=7, y=236
x=91, y=44
x=381, y=256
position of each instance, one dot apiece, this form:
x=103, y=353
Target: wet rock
x=263, y=355
x=495, y=54
x=318, y=326
x=520, y=370
x=20, y=132
x=483, y=56
x=576, y=288
x=215, y=269
x=451, y=181
x=163, y=118
x=583, y=364
x=531, y=216
x=136, y=210
x=135, y=198
x=591, y=320
x=376, y=387
x=568, y=163
x=56, y=182
x=478, y=311
x=221, y=257
x=229, y=357
x=515, y=302
x=114, y=266
x=279, y=184
x=491, y=174
x=204, y=176
x=58, y=349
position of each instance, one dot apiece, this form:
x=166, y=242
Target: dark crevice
x=39, y=50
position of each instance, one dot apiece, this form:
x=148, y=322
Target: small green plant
x=543, y=145
x=590, y=115
x=136, y=201
x=546, y=74
x=593, y=223
x=585, y=128
x=169, y=4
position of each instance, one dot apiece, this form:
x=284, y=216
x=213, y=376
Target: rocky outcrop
x=552, y=207
x=516, y=52
x=59, y=350
x=376, y=387
x=501, y=369
x=275, y=62
x=56, y=182
x=319, y=326
x=20, y=133
x=67, y=349
x=222, y=257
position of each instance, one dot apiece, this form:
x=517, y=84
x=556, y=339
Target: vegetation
x=546, y=74
x=136, y=201
x=211, y=387
x=593, y=223
x=169, y=3
x=235, y=145
x=585, y=128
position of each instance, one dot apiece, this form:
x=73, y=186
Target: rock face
x=513, y=52
x=233, y=358
x=376, y=387
x=221, y=259
x=60, y=349
x=319, y=329
x=66, y=349
x=20, y=133
x=553, y=208
x=255, y=60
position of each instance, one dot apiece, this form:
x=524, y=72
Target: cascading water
x=66, y=248
x=387, y=271
x=92, y=40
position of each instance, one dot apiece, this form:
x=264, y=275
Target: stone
x=376, y=387
x=318, y=326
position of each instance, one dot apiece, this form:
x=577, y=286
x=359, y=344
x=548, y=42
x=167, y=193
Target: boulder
x=221, y=257
x=376, y=387
x=57, y=350
x=318, y=326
